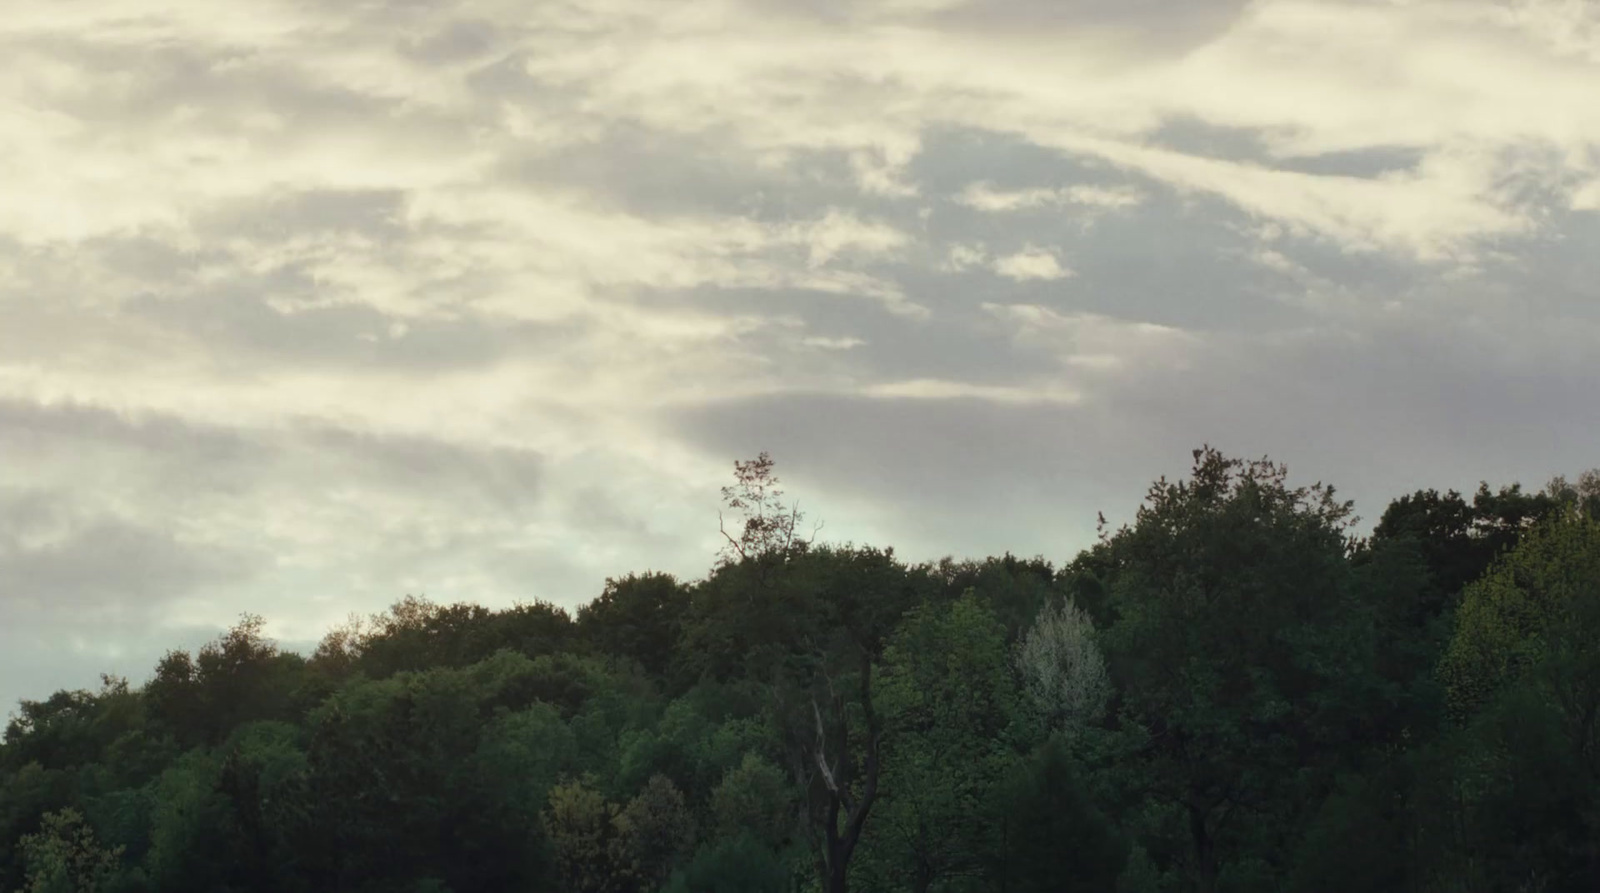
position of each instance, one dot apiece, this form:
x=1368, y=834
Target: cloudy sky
x=305, y=306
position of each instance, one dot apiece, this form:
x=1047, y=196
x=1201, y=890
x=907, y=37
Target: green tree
x=520, y=758
x=1533, y=609
x=697, y=739
x=1360, y=837
x=1015, y=589
x=582, y=831
x=1581, y=495
x=950, y=711
x=654, y=831
x=238, y=678
x=1521, y=774
x=265, y=777
x=599, y=848
x=417, y=634
x=637, y=617
x=64, y=857
x=810, y=623
x=193, y=829
x=395, y=763
x=1242, y=661
x=72, y=728
x=754, y=798
x=26, y=794
x=739, y=864
x=1052, y=836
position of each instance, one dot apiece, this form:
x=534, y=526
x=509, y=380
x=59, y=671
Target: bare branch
x=769, y=526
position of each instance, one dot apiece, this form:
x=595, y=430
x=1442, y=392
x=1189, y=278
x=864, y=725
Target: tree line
x=1231, y=692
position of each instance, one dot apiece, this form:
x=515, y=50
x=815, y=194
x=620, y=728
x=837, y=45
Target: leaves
x=63, y=856
x=769, y=528
x=1062, y=669
x=1231, y=692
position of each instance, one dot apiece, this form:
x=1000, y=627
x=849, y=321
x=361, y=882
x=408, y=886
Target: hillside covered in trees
x=1233, y=692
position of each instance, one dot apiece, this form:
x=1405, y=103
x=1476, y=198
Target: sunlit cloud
x=1031, y=263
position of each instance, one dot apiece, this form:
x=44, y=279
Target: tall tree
x=1519, y=774
x=1236, y=649
x=1052, y=836
x=770, y=527
x=953, y=728
x=810, y=622
x=637, y=617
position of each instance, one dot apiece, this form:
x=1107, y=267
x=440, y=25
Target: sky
x=307, y=306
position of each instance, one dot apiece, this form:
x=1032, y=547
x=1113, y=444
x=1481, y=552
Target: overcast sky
x=305, y=306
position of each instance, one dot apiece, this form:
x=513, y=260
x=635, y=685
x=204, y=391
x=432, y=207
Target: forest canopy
x=1231, y=692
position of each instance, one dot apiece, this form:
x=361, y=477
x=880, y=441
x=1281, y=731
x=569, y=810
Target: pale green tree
x=64, y=857
x=1062, y=669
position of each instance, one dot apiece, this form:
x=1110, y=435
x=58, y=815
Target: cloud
x=1094, y=341
x=825, y=343
x=984, y=197
x=309, y=306
x=63, y=565
x=960, y=258
x=1031, y=263
x=930, y=389
x=1587, y=198
x=840, y=232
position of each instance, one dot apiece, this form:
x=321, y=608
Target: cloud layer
x=307, y=306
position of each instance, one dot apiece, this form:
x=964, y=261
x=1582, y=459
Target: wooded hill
x=1230, y=693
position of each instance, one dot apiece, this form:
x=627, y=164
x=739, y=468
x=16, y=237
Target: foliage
x=770, y=528
x=653, y=831
x=1052, y=835
x=637, y=616
x=1237, y=650
x=735, y=864
x=1230, y=693
x=63, y=856
x=1061, y=668
x=754, y=798
x=582, y=830
x=951, y=715
x=1533, y=607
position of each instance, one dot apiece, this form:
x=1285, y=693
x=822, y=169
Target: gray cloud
x=1153, y=23
x=87, y=565
x=1439, y=406
x=457, y=41
x=1196, y=136
x=655, y=173
x=211, y=456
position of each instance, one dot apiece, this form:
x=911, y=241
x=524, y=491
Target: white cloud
x=961, y=257
x=826, y=343
x=984, y=197
x=1093, y=341
x=1031, y=263
x=935, y=389
x=844, y=233
x=1587, y=198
